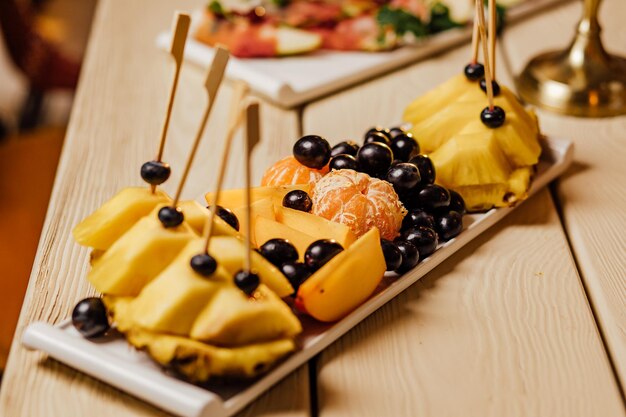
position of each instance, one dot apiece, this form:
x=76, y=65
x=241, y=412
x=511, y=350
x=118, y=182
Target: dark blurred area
x=42, y=43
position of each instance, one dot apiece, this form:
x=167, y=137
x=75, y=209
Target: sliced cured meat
x=247, y=40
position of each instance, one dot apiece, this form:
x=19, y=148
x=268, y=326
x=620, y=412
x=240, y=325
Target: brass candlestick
x=583, y=80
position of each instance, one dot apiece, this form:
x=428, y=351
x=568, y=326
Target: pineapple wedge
x=171, y=302
x=195, y=360
x=473, y=159
x=178, y=298
x=138, y=256
x=198, y=362
x=512, y=138
x=464, y=116
x=105, y=225
x=488, y=167
x=230, y=252
x=482, y=162
x=232, y=318
x=436, y=99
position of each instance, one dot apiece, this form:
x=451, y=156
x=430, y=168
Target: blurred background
x=42, y=43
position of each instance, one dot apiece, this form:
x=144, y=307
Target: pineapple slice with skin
x=483, y=197
x=230, y=253
x=235, y=198
x=463, y=149
x=438, y=98
x=196, y=216
x=464, y=117
x=512, y=138
x=316, y=226
x=507, y=100
x=474, y=165
x=232, y=318
x=519, y=184
x=433, y=132
x=471, y=159
x=171, y=302
x=197, y=361
x=138, y=256
x=116, y=216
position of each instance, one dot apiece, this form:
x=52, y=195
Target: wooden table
x=528, y=320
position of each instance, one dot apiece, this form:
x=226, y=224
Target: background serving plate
x=290, y=81
x=112, y=360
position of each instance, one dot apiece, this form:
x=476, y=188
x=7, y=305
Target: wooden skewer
x=253, y=135
x=492, y=37
x=483, y=40
x=212, y=84
x=234, y=121
x=180, y=29
x=475, y=40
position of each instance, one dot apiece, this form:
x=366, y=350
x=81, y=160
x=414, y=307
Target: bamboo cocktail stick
x=212, y=84
x=252, y=139
x=483, y=40
x=475, y=40
x=180, y=29
x=235, y=117
x=492, y=37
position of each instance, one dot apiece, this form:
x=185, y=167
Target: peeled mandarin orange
x=358, y=201
x=288, y=171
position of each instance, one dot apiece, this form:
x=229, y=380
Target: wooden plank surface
x=501, y=329
x=114, y=128
x=505, y=331
x=592, y=195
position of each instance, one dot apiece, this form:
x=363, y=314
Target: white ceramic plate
x=290, y=81
x=112, y=360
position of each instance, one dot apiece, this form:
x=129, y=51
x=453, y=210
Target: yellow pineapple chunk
x=171, y=302
x=198, y=361
x=195, y=360
x=105, y=225
x=436, y=99
x=433, y=132
x=138, y=256
x=475, y=166
x=483, y=196
x=230, y=252
x=471, y=159
x=519, y=183
x=233, y=319
x=511, y=141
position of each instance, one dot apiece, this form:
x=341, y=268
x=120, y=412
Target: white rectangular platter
x=113, y=361
x=291, y=81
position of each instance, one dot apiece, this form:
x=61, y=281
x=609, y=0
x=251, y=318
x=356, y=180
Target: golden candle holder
x=583, y=80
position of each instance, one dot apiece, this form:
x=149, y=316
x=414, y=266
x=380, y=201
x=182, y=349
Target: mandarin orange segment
x=288, y=171
x=358, y=201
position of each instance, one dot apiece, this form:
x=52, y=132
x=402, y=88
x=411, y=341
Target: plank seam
x=607, y=348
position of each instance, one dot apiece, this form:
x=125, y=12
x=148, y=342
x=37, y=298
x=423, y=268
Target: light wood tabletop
x=527, y=320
